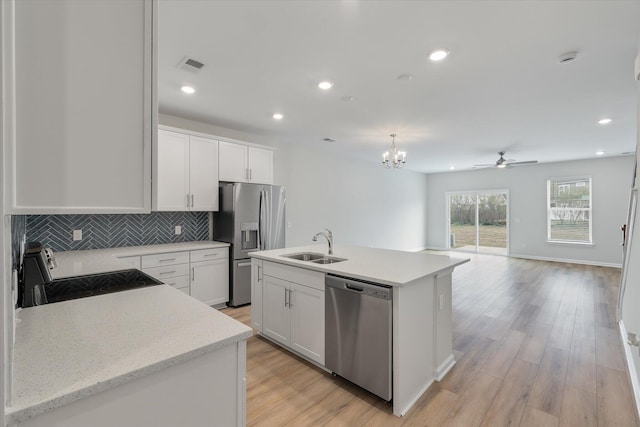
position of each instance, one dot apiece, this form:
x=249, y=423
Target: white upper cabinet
x=241, y=163
x=233, y=162
x=260, y=165
x=83, y=110
x=185, y=173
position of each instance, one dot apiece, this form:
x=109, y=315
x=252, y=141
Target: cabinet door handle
x=192, y=202
x=188, y=200
x=290, y=304
x=193, y=274
x=250, y=174
x=166, y=259
x=207, y=255
x=259, y=277
x=286, y=295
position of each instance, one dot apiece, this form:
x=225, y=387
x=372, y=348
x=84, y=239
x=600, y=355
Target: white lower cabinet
x=210, y=281
x=292, y=313
x=202, y=273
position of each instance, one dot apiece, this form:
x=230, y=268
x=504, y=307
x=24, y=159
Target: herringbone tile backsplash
x=112, y=231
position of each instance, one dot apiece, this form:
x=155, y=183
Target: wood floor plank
x=511, y=400
x=433, y=410
x=546, y=394
x=578, y=408
x=535, y=344
x=581, y=371
x=473, y=402
x=536, y=418
x=615, y=407
x=609, y=352
x=499, y=363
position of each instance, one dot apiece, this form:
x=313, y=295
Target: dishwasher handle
x=376, y=290
x=353, y=288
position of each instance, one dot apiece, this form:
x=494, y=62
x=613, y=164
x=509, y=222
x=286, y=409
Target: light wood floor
x=536, y=344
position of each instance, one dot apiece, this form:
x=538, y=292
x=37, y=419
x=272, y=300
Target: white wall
x=361, y=202
x=611, y=183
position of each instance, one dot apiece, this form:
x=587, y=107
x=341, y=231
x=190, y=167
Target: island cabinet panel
x=208, y=390
x=444, y=338
x=276, y=315
x=307, y=321
x=256, y=294
x=84, y=106
x=292, y=307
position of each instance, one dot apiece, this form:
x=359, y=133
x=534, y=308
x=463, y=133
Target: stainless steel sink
x=328, y=260
x=314, y=257
x=305, y=256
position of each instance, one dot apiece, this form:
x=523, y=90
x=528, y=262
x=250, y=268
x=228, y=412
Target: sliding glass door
x=477, y=221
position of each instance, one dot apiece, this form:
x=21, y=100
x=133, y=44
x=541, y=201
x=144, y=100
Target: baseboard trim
x=421, y=248
x=435, y=248
x=633, y=374
x=445, y=367
x=570, y=261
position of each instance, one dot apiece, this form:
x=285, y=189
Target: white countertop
x=69, y=350
x=389, y=267
x=92, y=261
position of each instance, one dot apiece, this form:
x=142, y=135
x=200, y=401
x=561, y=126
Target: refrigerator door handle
x=261, y=222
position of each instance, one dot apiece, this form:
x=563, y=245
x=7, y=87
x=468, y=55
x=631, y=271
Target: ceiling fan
x=503, y=163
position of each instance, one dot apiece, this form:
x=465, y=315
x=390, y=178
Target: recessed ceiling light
x=605, y=121
x=599, y=153
x=188, y=89
x=325, y=85
x=405, y=77
x=452, y=168
x=438, y=54
x=278, y=116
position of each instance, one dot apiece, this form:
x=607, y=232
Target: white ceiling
x=501, y=88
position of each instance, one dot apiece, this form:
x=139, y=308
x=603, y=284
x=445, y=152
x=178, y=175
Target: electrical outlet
x=178, y=229
x=77, y=235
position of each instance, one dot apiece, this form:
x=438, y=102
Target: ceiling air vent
x=190, y=64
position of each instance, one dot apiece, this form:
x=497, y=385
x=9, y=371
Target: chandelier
x=394, y=159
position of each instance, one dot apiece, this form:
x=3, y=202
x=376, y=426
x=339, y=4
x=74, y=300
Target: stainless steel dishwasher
x=358, y=340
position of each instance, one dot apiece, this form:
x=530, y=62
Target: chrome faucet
x=327, y=235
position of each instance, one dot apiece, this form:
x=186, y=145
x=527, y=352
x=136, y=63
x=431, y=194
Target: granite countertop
x=92, y=261
x=73, y=349
x=389, y=267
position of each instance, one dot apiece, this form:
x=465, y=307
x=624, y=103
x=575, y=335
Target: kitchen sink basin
x=314, y=257
x=328, y=260
x=305, y=256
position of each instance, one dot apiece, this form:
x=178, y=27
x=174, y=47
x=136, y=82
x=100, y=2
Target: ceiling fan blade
x=484, y=166
x=528, y=162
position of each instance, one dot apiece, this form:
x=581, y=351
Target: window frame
x=589, y=210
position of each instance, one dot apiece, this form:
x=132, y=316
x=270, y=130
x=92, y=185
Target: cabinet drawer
x=313, y=279
x=180, y=282
x=209, y=254
x=162, y=273
x=169, y=258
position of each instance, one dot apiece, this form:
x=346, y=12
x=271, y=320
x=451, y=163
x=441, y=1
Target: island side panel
x=201, y=391
x=413, y=342
x=443, y=325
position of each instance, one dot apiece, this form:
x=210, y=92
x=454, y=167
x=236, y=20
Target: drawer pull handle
x=167, y=272
x=171, y=284
x=166, y=259
x=216, y=254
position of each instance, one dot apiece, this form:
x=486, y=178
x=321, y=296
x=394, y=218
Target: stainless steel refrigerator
x=251, y=217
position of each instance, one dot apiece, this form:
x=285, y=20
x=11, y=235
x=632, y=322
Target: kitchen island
x=421, y=307
x=146, y=356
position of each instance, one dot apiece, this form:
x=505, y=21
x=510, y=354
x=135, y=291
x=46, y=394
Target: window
x=569, y=210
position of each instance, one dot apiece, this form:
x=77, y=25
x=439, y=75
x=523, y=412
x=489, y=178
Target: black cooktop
x=97, y=284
